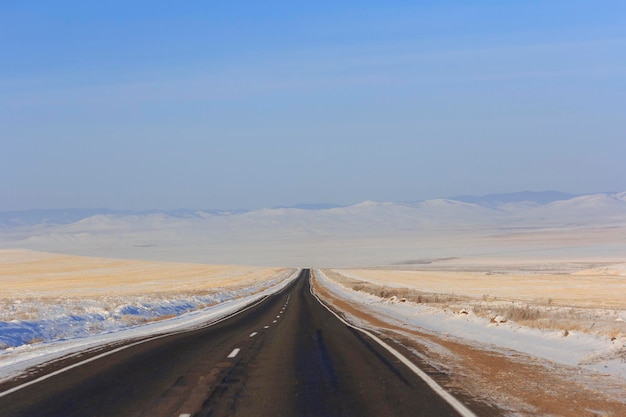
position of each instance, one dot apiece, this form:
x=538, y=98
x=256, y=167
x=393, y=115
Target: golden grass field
x=36, y=274
x=581, y=284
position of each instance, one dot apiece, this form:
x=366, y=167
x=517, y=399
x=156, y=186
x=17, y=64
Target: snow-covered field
x=53, y=305
x=523, y=370
x=603, y=352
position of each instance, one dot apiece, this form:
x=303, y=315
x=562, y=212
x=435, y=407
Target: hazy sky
x=249, y=104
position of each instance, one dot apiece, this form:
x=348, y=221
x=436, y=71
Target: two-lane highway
x=287, y=356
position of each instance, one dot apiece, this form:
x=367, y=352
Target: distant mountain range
x=311, y=206
x=72, y=215
x=534, y=197
x=544, y=224
x=459, y=205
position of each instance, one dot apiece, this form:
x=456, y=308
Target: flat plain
x=37, y=274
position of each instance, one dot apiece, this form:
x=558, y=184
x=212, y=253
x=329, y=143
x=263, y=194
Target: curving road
x=287, y=356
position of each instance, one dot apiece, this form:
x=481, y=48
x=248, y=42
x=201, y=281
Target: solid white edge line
x=449, y=398
x=76, y=365
x=119, y=349
x=234, y=353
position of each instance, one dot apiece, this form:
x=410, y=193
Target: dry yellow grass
x=529, y=386
x=36, y=274
x=600, y=287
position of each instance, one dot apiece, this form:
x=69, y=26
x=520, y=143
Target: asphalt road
x=287, y=356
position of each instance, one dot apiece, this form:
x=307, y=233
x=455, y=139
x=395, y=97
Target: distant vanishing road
x=286, y=356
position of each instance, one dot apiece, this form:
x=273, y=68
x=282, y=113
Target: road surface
x=287, y=356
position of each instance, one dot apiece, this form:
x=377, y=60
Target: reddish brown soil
x=518, y=383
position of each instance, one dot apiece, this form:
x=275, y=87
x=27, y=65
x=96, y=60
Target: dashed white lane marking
x=274, y=321
x=124, y=347
x=253, y=334
x=234, y=353
x=266, y=327
x=185, y=415
x=278, y=316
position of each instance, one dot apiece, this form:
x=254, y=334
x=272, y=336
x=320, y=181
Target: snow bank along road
x=286, y=356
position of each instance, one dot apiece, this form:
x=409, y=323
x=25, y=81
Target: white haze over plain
x=365, y=234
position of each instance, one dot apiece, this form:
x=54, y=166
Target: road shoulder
x=509, y=381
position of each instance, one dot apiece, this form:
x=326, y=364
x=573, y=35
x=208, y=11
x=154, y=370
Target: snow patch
x=575, y=349
x=24, y=344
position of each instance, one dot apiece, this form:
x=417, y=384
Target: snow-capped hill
x=49, y=217
x=448, y=212
x=620, y=196
x=123, y=222
x=516, y=207
x=445, y=203
x=203, y=214
x=370, y=210
x=53, y=217
x=598, y=209
x=100, y=220
x=525, y=197
x=268, y=212
x=311, y=206
x=593, y=201
x=368, y=204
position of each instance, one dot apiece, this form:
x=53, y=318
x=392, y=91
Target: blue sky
x=153, y=104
